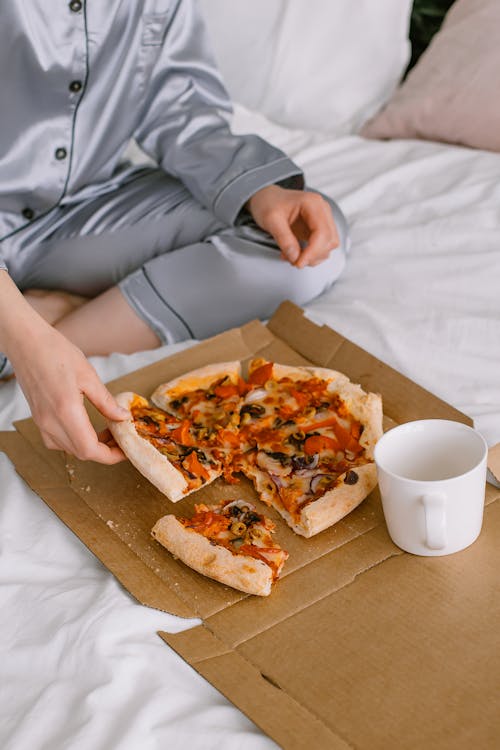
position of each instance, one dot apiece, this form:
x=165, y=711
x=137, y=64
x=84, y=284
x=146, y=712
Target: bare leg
x=53, y=305
x=107, y=324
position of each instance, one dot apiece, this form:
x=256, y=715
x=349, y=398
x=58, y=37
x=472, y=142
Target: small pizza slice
x=229, y=542
x=313, y=433
x=164, y=448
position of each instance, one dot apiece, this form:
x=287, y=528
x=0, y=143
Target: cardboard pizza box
x=360, y=644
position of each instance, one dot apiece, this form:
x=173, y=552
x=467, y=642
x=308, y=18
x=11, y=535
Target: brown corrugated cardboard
x=494, y=461
x=360, y=645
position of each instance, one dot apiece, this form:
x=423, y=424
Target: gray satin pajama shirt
x=77, y=82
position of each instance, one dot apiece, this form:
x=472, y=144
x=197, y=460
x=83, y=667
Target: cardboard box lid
x=115, y=507
x=405, y=656
x=317, y=652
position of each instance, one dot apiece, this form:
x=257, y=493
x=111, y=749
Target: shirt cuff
x=233, y=196
x=6, y=369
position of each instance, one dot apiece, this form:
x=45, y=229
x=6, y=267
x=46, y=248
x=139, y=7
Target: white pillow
x=325, y=65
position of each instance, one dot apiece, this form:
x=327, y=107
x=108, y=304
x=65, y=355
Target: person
x=100, y=255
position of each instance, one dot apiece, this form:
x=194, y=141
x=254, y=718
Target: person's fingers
x=323, y=236
x=278, y=225
x=107, y=438
x=69, y=429
x=49, y=442
x=102, y=399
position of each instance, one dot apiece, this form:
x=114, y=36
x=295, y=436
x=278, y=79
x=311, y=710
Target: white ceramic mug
x=432, y=478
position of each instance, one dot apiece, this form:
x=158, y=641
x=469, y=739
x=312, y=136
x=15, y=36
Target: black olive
x=147, y=419
x=281, y=457
x=303, y=462
x=351, y=477
x=176, y=403
x=234, y=510
x=296, y=439
x=254, y=410
x=200, y=455
x=251, y=517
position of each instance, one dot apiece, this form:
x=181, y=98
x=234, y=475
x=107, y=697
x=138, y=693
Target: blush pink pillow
x=453, y=92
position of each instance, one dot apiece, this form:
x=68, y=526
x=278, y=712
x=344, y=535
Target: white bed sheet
x=80, y=664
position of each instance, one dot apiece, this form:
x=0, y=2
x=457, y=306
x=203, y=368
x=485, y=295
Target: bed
x=81, y=666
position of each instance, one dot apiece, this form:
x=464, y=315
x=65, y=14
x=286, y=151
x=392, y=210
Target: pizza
x=229, y=542
x=303, y=435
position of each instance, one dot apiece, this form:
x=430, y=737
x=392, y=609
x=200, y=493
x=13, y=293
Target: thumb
x=104, y=402
x=287, y=242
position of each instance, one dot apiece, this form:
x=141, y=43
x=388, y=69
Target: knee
x=305, y=284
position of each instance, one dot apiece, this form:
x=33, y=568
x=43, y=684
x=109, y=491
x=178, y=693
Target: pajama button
x=75, y=86
x=61, y=153
x=28, y=213
x=75, y=6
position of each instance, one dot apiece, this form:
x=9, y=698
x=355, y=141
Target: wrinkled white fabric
x=80, y=664
x=324, y=65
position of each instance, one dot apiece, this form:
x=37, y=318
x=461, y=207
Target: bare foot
x=53, y=305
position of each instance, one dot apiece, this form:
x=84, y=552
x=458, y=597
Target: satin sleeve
x=184, y=125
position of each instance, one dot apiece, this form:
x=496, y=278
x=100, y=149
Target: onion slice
x=316, y=480
x=256, y=395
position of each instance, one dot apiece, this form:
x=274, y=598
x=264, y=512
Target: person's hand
x=301, y=223
x=55, y=376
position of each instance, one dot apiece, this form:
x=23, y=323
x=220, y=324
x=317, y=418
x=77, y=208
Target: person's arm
x=55, y=376
x=183, y=124
x=184, y=128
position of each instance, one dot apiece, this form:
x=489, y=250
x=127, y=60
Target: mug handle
x=435, y=520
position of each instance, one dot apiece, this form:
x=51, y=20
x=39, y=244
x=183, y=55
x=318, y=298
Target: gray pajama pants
x=183, y=271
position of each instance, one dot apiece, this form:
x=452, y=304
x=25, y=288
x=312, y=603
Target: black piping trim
x=73, y=125
x=84, y=88
x=174, y=312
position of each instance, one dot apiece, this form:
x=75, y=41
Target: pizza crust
x=144, y=456
x=320, y=514
x=337, y=503
x=305, y=372
x=201, y=378
x=238, y=571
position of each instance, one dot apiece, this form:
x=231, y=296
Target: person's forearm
x=15, y=314
x=17, y=317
